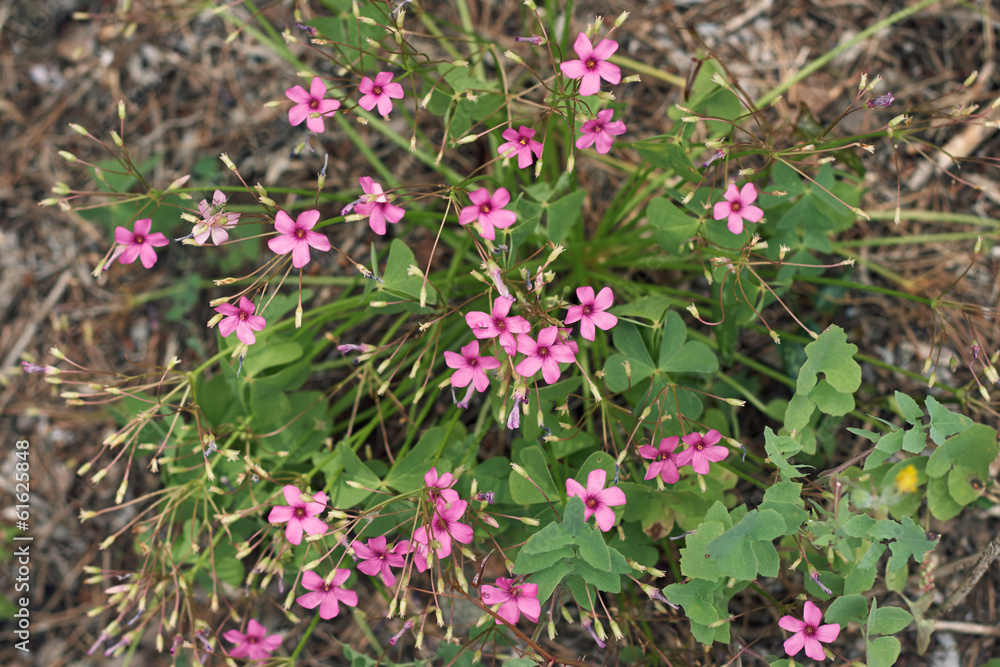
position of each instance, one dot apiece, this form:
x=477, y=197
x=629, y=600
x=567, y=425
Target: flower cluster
x=701, y=451
x=544, y=352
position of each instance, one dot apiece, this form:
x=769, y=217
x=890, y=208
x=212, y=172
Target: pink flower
x=664, y=460
x=470, y=367
x=487, y=210
x=597, y=501
x=521, y=144
x=590, y=312
x=738, y=207
x=214, y=221
x=499, y=324
x=418, y=550
x=140, y=243
x=377, y=558
x=592, y=65
x=445, y=527
x=440, y=487
x=380, y=92
x=601, y=129
x=701, y=449
x=255, y=644
x=326, y=596
x=514, y=600
x=297, y=237
x=809, y=633
x=241, y=320
x=300, y=515
x=311, y=106
x=546, y=354
x=376, y=207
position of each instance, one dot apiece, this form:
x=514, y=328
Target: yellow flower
x=906, y=479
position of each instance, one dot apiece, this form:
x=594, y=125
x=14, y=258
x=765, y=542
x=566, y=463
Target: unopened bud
x=226, y=161
x=79, y=129
x=66, y=155
x=117, y=139
x=621, y=19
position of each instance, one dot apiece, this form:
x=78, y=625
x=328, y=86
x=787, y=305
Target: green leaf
x=650, y=308
x=833, y=356
x=831, y=401
x=965, y=484
x=911, y=411
x=672, y=227
x=676, y=356
x=533, y=460
x=912, y=541
x=408, y=472
x=695, y=559
x=939, y=501
x=914, y=440
x=628, y=341
x=861, y=577
x=398, y=280
x=882, y=652
x=700, y=600
x=548, y=578
x=564, y=214
x=666, y=153
x=545, y=549
x=859, y=525
x=974, y=448
x=768, y=562
x=944, y=422
x=778, y=448
x=888, y=620
x=277, y=353
x=594, y=550
x=847, y=609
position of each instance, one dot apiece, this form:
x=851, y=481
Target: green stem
x=305, y=638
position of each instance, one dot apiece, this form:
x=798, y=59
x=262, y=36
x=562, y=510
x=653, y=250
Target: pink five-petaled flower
x=300, y=515
x=701, y=449
x=214, y=221
x=379, y=92
x=256, y=644
x=440, y=487
x=590, y=313
x=809, y=632
x=445, y=527
x=377, y=558
x=514, y=600
x=488, y=211
x=310, y=107
x=738, y=206
x=470, y=367
x=664, y=460
x=241, y=320
x=520, y=143
x=592, y=65
x=547, y=353
x=376, y=207
x=297, y=237
x=497, y=323
x=327, y=596
x=600, y=129
x=139, y=243
x=597, y=501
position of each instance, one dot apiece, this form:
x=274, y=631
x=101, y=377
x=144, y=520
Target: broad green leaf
x=859, y=525
x=676, y=356
x=534, y=461
x=831, y=401
x=944, y=422
x=672, y=227
x=974, y=448
x=965, y=484
x=398, y=280
x=594, y=550
x=914, y=440
x=648, y=307
x=695, y=559
x=564, y=214
x=889, y=620
x=912, y=541
x=882, y=652
x=911, y=411
x=666, y=153
x=628, y=341
x=548, y=578
x=833, y=356
x=768, y=562
x=408, y=472
x=700, y=599
x=861, y=577
x=847, y=609
x=277, y=353
x=939, y=501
